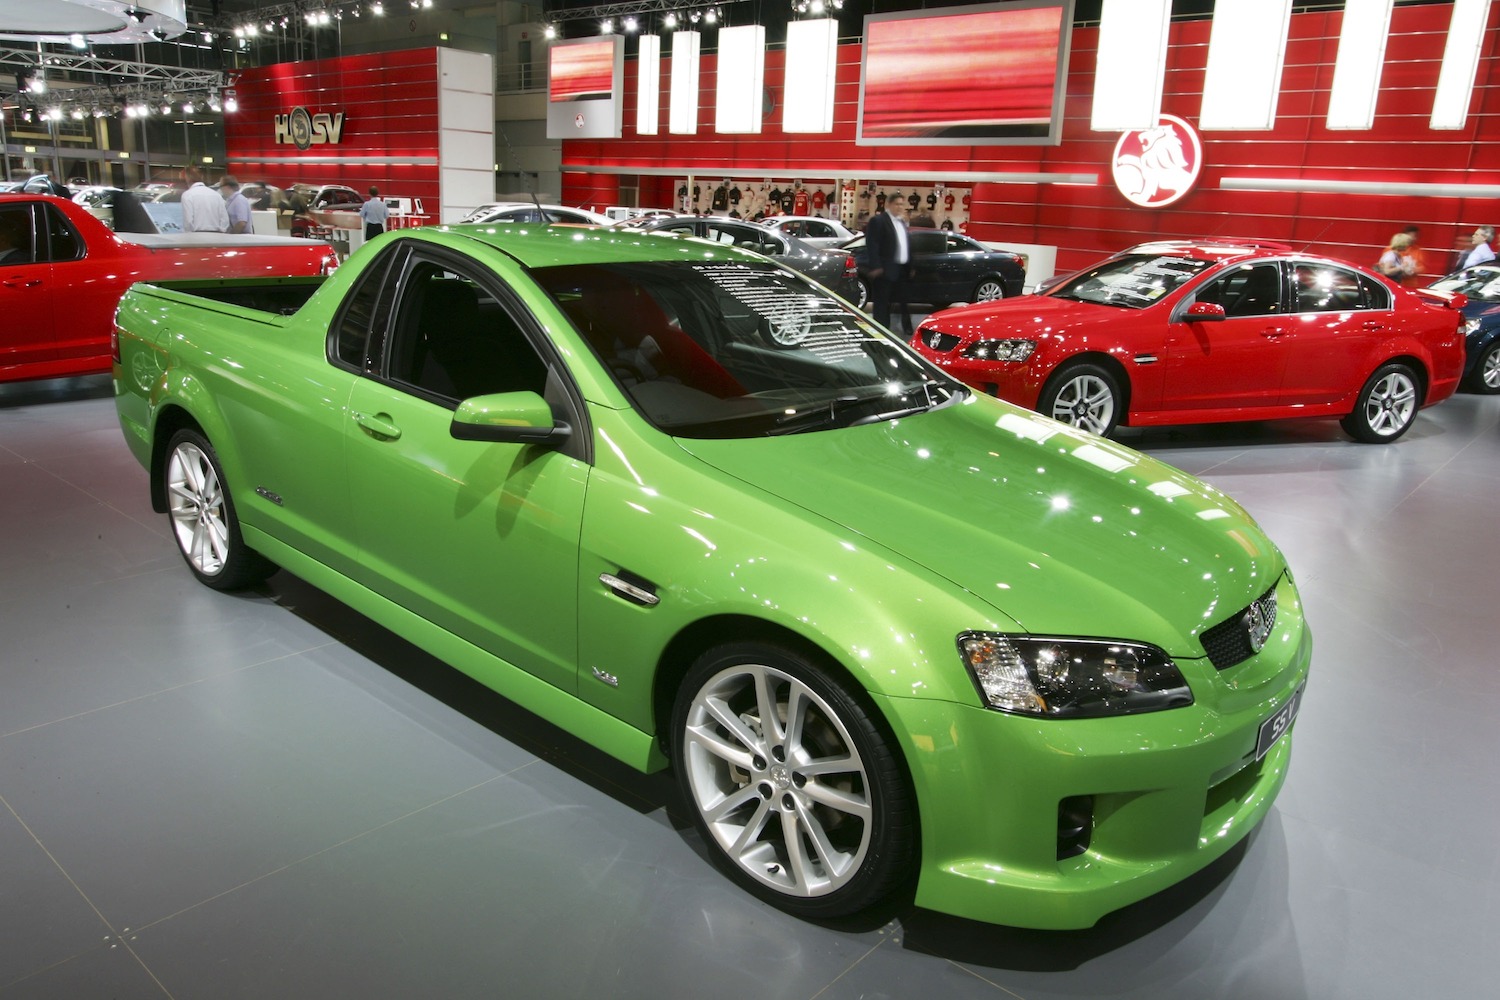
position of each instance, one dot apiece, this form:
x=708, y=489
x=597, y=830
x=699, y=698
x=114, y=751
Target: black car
x=1481, y=284
x=949, y=268
x=834, y=269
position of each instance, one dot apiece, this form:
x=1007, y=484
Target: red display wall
x=390, y=130
x=1088, y=219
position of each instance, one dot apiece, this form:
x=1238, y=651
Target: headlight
x=1000, y=350
x=1470, y=326
x=1069, y=677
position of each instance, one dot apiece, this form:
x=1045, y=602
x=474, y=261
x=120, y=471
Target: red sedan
x=1207, y=331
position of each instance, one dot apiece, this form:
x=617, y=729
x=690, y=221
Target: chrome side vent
x=632, y=588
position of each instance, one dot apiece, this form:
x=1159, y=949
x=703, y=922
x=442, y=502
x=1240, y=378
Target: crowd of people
x=1403, y=261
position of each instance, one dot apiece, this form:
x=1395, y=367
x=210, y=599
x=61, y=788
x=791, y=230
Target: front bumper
x=1017, y=382
x=1170, y=791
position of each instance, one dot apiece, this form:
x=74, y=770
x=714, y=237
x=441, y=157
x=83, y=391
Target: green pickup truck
x=701, y=512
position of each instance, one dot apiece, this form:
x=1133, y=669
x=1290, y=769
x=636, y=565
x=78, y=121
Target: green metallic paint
x=876, y=545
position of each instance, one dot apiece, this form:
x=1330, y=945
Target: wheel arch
x=698, y=637
x=1418, y=367
x=1106, y=361
x=169, y=420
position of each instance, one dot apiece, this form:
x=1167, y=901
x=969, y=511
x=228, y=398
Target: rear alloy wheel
x=203, y=519
x=861, y=293
x=1085, y=396
x=1486, y=375
x=792, y=783
x=989, y=290
x=1386, y=407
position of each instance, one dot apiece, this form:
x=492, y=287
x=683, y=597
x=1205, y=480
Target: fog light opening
x=1075, y=825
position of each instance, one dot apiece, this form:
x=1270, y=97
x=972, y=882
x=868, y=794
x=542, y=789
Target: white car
x=525, y=211
x=811, y=229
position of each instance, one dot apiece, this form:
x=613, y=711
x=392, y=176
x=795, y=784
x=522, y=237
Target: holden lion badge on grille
x=1259, y=619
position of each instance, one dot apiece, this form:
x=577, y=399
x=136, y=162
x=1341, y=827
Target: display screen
x=585, y=92
x=973, y=75
x=583, y=71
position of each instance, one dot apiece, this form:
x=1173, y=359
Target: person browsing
x=236, y=205
x=375, y=212
x=203, y=209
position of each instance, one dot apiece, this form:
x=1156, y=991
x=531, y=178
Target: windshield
x=727, y=348
x=1482, y=283
x=1133, y=281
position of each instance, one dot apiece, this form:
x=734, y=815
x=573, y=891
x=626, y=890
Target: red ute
x=62, y=273
x=1206, y=331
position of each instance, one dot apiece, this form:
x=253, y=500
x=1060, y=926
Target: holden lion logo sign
x=1156, y=166
x=305, y=130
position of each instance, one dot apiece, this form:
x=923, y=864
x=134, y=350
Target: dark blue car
x=1481, y=284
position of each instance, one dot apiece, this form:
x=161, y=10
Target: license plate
x=1276, y=726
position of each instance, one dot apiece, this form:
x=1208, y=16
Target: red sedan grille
x=938, y=341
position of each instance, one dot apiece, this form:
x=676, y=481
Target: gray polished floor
x=268, y=796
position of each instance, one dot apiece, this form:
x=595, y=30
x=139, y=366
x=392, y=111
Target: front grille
x=1228, y=642
x=939, y=341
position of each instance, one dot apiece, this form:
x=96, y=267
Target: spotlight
x=231, y=106
x=187, y=107
x=711, y=15
x=630, y=24
x=76, y=114
x=549, y=31
x=670, y=20
x=607, y=26
x=377, y=9
x=77, y=41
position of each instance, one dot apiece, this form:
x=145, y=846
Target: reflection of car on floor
x=793, y=566
x=834, y=268
x=1481, y=286
x=1205, y=331
x=949, y=267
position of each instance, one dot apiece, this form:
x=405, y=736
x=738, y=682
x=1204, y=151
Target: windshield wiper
x=837, y=411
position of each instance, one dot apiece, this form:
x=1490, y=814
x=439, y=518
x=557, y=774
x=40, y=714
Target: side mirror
x=1204, y=312
x=511, y=417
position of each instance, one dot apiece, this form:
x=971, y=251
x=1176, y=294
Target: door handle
x=21, y=282
x=1373, y=324
x=1272, y=332
x=378, y=425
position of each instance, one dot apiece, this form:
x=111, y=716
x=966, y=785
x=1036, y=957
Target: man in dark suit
x=888, y=246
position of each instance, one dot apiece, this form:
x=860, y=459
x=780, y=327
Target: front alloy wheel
x=1386, y=407
x=203, y=518
x=792, y=784
x=1085, y=396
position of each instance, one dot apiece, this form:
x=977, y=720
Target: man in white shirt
x=1479, y=251
x=203, y=209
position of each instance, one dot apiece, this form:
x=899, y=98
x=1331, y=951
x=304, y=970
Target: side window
x=451, y=339
x=1247, y=290
x=62, y=241
x=360, y=327
x=1376, y=295
x=15, y=235
x=927, y=243
x=1325, y=288
x=818, y=230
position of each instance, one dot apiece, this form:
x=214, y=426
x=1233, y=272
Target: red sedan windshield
x=1133, y=281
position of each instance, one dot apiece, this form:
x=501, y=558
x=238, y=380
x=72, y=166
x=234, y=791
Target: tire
x=1485, y=378
x=202, y=516
x=813, y=813
x=1086, y=396
x=989, y=289
x=1387, y=405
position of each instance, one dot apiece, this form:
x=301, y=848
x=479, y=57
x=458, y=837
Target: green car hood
x=1062, y=532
